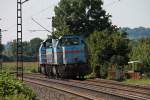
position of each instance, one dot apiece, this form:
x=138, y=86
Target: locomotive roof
x=70, y=36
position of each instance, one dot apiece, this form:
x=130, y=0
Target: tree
x=81, y=17
x=98, y=43
x=141, y=52
x=1, y=50
x=13, y=49
x=34, y=46
x=106, y=48
x=1, y=47
x=9, y=53
x=121, y=48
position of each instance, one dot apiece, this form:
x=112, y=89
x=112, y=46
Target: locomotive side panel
x=42, y=55
x=58, y=56
x=73, y=54
x=50, y=55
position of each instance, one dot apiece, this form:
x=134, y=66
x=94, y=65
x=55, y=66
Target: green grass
x=138, y=82
x=28, y=67
x=17, y=97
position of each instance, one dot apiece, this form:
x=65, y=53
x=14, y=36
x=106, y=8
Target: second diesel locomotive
x=65, y=57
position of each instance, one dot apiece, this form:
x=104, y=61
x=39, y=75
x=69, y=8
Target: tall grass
x=28, y=66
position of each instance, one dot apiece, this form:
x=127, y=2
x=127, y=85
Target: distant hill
x=137, y=33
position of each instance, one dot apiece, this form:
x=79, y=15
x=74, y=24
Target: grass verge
x=138, y=82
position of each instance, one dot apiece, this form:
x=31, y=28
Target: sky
x=125, y=13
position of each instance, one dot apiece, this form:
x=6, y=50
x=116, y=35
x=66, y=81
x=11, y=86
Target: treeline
x=137, y=33
x=30, y=50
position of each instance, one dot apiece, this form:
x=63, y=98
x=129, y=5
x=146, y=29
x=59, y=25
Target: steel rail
x=94, y=88
x=116, y=86
x=31, y=80
x=119, y=83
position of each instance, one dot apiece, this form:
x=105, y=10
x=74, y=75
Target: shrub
x=10, y=86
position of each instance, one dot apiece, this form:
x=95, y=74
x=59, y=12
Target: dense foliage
x=107, y=48
x=1, y=47
x=9, y=86
x=1, y=50
x=81, y=17
x=141, y=52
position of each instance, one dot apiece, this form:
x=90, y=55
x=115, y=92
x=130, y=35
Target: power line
x=14, y=25
x=36, y=30
x=43, y=10
x=41, y=25
x=24, y=1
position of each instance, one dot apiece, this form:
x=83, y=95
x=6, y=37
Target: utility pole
x=19, y=72
x=1, y=51
x=1, y=47
x=19, y=68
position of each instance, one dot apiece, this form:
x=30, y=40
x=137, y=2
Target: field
x=28, y=66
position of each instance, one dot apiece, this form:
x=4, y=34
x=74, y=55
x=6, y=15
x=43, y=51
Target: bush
x=91, y=76
x=9, y=86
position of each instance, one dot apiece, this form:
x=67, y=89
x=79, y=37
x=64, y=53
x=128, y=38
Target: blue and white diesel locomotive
x=65, y=57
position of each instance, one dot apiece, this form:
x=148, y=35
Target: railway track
x=119, y=83
x=116, y=85
x=119, y=89
x=56, y=86
x=93, y=89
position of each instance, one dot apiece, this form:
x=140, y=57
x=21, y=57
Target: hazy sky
x=125, y=13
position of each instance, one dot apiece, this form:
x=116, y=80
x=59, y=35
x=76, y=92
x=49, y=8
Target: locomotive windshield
x=48, y=43
x=69, y=41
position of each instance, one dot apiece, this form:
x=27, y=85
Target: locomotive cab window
x=69, y=41
x=49, y=43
